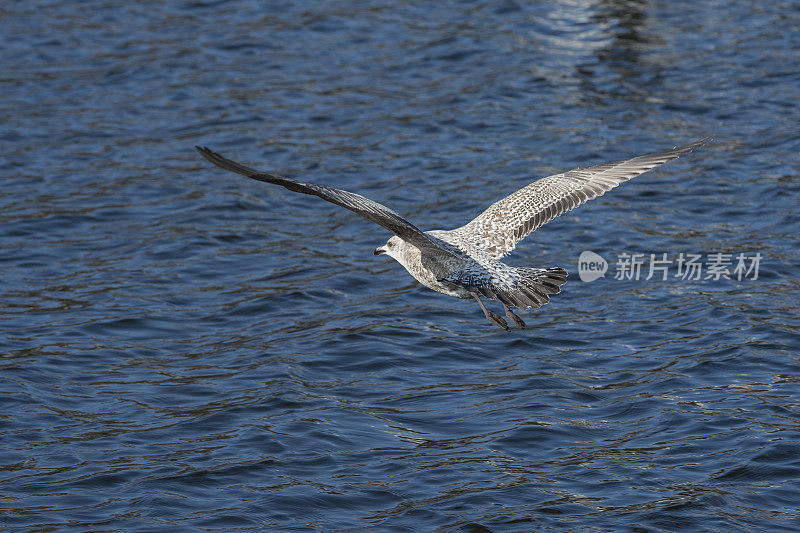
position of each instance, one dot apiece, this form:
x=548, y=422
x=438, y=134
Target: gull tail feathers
x=536, y=285
x=525, y=288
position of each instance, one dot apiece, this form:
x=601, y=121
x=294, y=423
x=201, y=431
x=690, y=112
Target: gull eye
x=390, y=244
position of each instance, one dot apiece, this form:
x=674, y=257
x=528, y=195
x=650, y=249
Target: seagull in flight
x=466, y=262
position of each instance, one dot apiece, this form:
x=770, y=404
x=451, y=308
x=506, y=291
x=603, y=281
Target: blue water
x=185, y=349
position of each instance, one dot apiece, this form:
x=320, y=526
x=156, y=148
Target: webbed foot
x=493, y=317
x=497, y=320
x=517, y=320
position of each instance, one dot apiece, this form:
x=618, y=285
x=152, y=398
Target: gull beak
x=379, y=251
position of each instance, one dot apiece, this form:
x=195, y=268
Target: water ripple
x=187, y=349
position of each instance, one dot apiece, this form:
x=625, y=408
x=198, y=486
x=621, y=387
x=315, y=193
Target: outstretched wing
x=372, y=211
x=506, y=222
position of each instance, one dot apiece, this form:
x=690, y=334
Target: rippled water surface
x=185, y=349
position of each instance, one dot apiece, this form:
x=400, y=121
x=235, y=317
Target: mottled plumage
x=465, y=262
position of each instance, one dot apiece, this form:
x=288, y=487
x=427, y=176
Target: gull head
x=393, y=248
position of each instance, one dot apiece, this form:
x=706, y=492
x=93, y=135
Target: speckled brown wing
x=506, y=222
x=369, y=209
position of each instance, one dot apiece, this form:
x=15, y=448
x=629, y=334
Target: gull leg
x=510, y=314
x=494, y=318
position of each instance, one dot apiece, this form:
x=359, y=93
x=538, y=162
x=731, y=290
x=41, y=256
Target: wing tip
x=209, y=154
x=686, y=148
x=227, y=164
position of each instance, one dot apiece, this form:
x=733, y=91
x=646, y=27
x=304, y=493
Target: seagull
x=466, y=262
